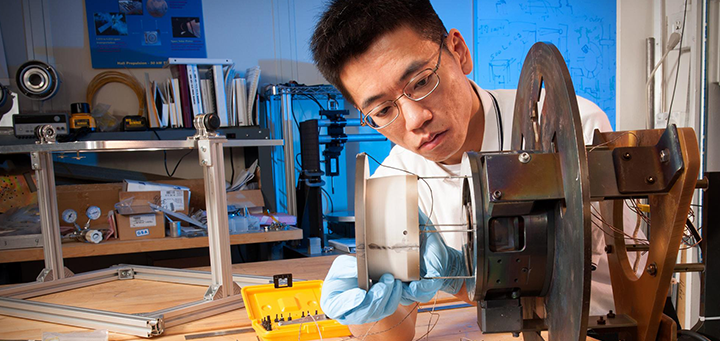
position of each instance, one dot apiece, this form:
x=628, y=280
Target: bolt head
x=651, y=269
x=524, y=157
x=497, y=195
x=204, y=149
x=627, y=156
x=664, y=155
x=204, y=162
x=650, y=179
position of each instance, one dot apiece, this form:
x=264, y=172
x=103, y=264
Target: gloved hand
x=436, y=260
x=345, y=302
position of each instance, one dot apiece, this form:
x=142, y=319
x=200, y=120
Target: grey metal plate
x=362, y=172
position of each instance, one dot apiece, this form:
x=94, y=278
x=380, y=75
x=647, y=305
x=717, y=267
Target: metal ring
x=37, y=80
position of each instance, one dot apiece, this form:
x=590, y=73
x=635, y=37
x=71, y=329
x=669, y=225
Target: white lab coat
x=446, y=194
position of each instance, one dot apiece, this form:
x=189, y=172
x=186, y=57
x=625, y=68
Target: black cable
x=298, y=161
x=176, y=165
x=292, y=111
x=314, y=100
x=332, y=207
x=170, y=175
x=232, y=167
x=677, y=72
x=432, y=197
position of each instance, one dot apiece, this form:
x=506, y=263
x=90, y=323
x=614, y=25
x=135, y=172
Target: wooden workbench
x=142, y=296
x=114, y=246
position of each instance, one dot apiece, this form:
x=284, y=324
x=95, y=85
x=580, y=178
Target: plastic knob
x=212, y=122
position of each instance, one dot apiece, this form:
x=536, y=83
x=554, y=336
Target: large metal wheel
x=558, y=129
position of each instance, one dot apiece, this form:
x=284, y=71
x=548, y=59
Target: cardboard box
x=143, y=225
x=251, y=198
x=173, y=197
x=80, y=197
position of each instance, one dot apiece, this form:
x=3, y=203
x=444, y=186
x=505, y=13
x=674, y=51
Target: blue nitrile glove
x=436, y=260
x=345, y=302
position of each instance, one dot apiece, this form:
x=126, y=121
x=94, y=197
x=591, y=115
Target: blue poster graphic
x=583, y=31
x=144, y=33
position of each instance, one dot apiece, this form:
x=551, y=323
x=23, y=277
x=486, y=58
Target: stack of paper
x=243, y=178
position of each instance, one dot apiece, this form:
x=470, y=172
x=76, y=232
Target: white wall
x=632, y=29
x=659, y=18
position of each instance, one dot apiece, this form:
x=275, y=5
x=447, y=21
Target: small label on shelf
x=172, y=200
x=142, y=220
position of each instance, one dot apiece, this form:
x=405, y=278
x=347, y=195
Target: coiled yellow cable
x=106, y=77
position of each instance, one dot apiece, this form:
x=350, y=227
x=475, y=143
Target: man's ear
x=459, y=49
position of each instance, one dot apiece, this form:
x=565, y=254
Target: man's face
x=436, y=127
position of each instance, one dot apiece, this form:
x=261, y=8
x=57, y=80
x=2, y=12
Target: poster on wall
x=583, y=31
x=144, y=33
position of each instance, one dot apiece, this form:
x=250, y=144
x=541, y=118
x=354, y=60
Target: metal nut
x=611, y=315
x=652, y=269
x=601, y=321
x=524, y=157
x=497, y=195
x=664, y=155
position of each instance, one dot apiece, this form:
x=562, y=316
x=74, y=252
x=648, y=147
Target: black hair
x=347, y=28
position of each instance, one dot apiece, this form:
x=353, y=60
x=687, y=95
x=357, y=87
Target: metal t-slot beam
x=35, y=289
x=211, y=158
x=287, y=126
x=197, y=310
x=82, y=317
x=47, y=203
x=192, y=277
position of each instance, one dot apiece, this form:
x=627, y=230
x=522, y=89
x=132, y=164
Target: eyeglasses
x=417, y=89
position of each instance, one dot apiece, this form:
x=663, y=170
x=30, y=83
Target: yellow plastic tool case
x=292, y=302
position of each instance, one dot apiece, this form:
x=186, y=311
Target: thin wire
x=314, y=100
x=397, y=324
x=432, y=197
x=615, y=139
x=292, y=111
x=232, y=167
x=437, y=319
x=677, y=72
x=332, y=206
x=316, y=326
x=170, y=175
x=638, y=223
x=367, y=332
x=613, y=228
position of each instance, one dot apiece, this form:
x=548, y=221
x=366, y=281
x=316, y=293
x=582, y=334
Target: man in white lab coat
x=407, y=75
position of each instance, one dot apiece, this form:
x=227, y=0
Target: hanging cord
x=677, y=72
x=170, y=175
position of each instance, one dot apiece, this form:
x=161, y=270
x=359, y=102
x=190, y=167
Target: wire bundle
x=106, y=77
